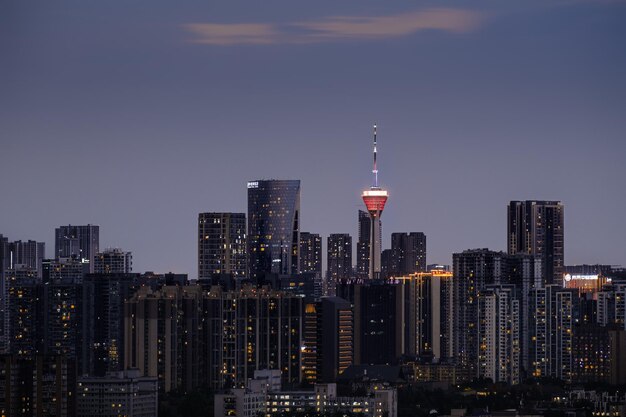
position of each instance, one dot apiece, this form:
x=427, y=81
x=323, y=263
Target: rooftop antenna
x=375, y=170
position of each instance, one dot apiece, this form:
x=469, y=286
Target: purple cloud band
x=336, y=28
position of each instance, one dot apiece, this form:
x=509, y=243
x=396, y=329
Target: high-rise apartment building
x=273, y=227
x=81, y=242
x=473, y=271
x=102, y=331
x=29, y=254
x=536, y=228
x=40, y=386
x=188, y=337
x=25, y=312
x=222, y=244
x=611, y=305
x=328, y=339
x=339, y=259
x=249, y=330
x=65, y=269
x=113, y=261
x=62, y=317
x=16, y=258
x=428, y=311
x=310, y=252
x=375, y=199
x=499, y=344
x=524, y=272
x=408, y=253
x=379, y=321
x=162, y=335
x=551, y=331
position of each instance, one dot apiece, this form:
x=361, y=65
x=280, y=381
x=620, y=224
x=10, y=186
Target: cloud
x=336, y=28
x=233, y=33
x=342, y=27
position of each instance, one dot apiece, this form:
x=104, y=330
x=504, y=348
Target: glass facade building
x=273, y=227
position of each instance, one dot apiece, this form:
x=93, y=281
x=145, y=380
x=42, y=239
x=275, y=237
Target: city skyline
x=140, y=121
x=193, y=195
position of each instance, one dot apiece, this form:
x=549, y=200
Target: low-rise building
x=260, y=397
x=124, y=393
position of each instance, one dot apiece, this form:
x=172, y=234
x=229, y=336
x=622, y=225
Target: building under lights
x=427, y=302
x=585, y=284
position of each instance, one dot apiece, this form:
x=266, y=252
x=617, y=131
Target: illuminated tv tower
x=375, y=199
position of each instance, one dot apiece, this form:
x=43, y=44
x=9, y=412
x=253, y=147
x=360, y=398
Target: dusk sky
x=138, y=115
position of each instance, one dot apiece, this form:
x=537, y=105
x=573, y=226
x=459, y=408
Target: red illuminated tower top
x=375, y=198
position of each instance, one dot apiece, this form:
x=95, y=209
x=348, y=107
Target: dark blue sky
x=137, y=115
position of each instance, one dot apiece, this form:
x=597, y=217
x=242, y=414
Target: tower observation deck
x=375, y=199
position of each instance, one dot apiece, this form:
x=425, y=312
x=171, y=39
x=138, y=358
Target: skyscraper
x=82, y=242
x=387, y=267
x=222, y=244
x=408, y=253
x=339, y=259
x=536, y=228
x=310, y=252
x=363, y=245
x=4, y=305
x=375, y=199
x=273, y=227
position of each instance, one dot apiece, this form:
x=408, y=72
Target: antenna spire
x=375, y=170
